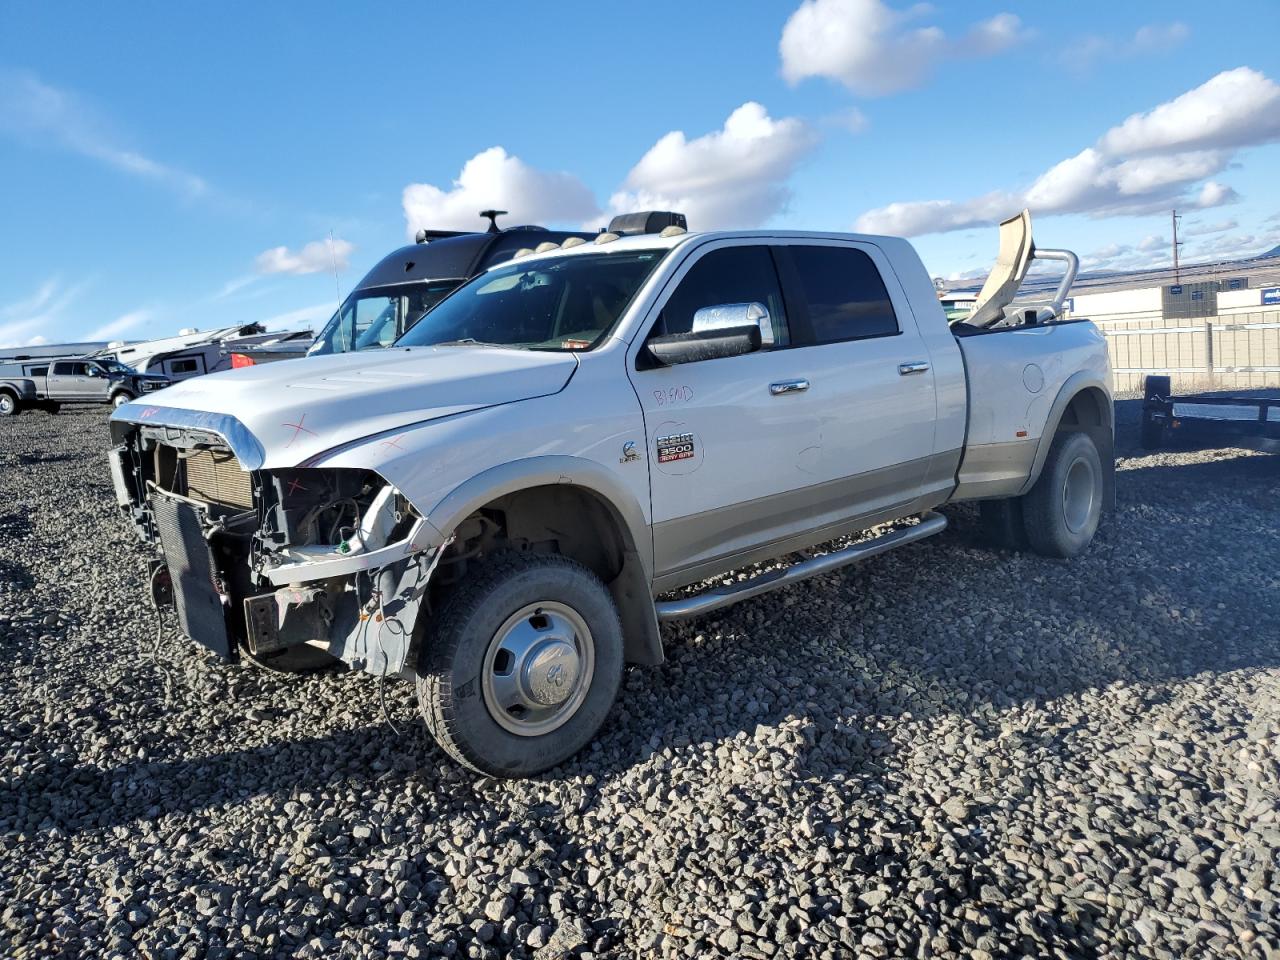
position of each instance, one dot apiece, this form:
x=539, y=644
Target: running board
x=701, y=603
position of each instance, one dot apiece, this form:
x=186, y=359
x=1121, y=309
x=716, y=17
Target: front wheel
x=522, y=664
x=120, y=399
x=1062, y=510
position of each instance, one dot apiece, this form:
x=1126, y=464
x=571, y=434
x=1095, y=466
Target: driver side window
x=727, y=275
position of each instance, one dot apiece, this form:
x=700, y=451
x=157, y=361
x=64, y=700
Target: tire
x=561, y=621
x=8, y=404
x=120, y=399
x=1062, y=511
x=1003, y=524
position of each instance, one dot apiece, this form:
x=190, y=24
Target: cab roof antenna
x=493, y=216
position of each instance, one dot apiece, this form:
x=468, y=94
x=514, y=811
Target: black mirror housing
x=677, y=348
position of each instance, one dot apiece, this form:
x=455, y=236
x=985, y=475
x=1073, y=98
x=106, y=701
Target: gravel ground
x=949, y=751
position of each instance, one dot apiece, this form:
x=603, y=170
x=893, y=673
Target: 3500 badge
x=677, y=446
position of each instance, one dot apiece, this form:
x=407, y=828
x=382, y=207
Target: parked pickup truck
x=47, y=384
x=501, y=505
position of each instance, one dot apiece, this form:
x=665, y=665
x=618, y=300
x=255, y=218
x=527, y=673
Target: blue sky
x=169, y=165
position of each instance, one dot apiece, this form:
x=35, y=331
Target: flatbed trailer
x=1207, y=419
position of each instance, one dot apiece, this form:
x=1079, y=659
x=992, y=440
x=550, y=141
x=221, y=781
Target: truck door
x=870, y=379
x=97, y=382
x=67, y=381
x=731, y=449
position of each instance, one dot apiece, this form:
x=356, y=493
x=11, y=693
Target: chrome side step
x=695, y=606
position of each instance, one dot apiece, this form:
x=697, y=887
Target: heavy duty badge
x=677, y=446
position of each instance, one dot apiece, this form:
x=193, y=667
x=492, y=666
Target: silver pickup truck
x=500, y=505
x=48, y=384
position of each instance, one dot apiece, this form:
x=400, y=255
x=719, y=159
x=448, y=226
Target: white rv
x=193, y=353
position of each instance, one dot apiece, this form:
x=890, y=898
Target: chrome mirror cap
x=726, y=316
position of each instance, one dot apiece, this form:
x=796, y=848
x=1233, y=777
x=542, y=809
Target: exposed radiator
x=216, y=477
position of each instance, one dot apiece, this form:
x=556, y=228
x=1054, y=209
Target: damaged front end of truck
x=273, y=563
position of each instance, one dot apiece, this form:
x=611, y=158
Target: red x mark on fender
x=298, y=428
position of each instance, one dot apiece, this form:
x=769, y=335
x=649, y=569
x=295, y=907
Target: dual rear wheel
x=1060, y=514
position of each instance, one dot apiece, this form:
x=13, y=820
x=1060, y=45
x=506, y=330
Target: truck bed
x=1016, y=376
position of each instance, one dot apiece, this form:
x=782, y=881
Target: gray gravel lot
x=949, y=751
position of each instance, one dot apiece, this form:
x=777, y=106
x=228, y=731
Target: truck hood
x=282, y=414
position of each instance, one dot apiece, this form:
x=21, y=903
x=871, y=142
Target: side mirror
x=92, y=371
x=712, y=344
x=727, y=316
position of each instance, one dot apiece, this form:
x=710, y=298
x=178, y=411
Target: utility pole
x=1177, y=275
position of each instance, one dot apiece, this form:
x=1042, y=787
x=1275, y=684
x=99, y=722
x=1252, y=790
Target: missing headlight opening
x=271, y=563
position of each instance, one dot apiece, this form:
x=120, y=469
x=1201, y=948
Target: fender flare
x=632, y=588
x=1075, y=385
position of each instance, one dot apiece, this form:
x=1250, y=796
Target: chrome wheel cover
x=1079, y=491
x=538, y=668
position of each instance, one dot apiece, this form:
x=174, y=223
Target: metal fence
x=1228, y=352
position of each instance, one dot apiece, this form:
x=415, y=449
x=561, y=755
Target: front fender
x=546, y=471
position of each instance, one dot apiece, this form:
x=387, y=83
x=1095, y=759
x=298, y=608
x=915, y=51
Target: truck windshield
x=115, y=366
x=557, y=303
x=373, y=318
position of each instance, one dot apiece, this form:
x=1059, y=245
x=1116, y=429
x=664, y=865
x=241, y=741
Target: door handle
x=912, y=366
x=788, y=386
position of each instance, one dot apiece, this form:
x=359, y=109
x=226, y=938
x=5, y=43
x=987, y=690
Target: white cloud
x=1158, y=37
x=120, y=325
x=494, y=179
x=300, y=318
x=1231, y=246
x=1214, y=194
x=1236, y=108
x=40, y=114
x=1082, y=54
x=874, y=49
x=32, y=304
x=1198, y=228
x=1149, y=163
x=732, y=177
x=42, y=310
x=317, y=256
x=852, y=120
x=1152, y=242
x=234, y=286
